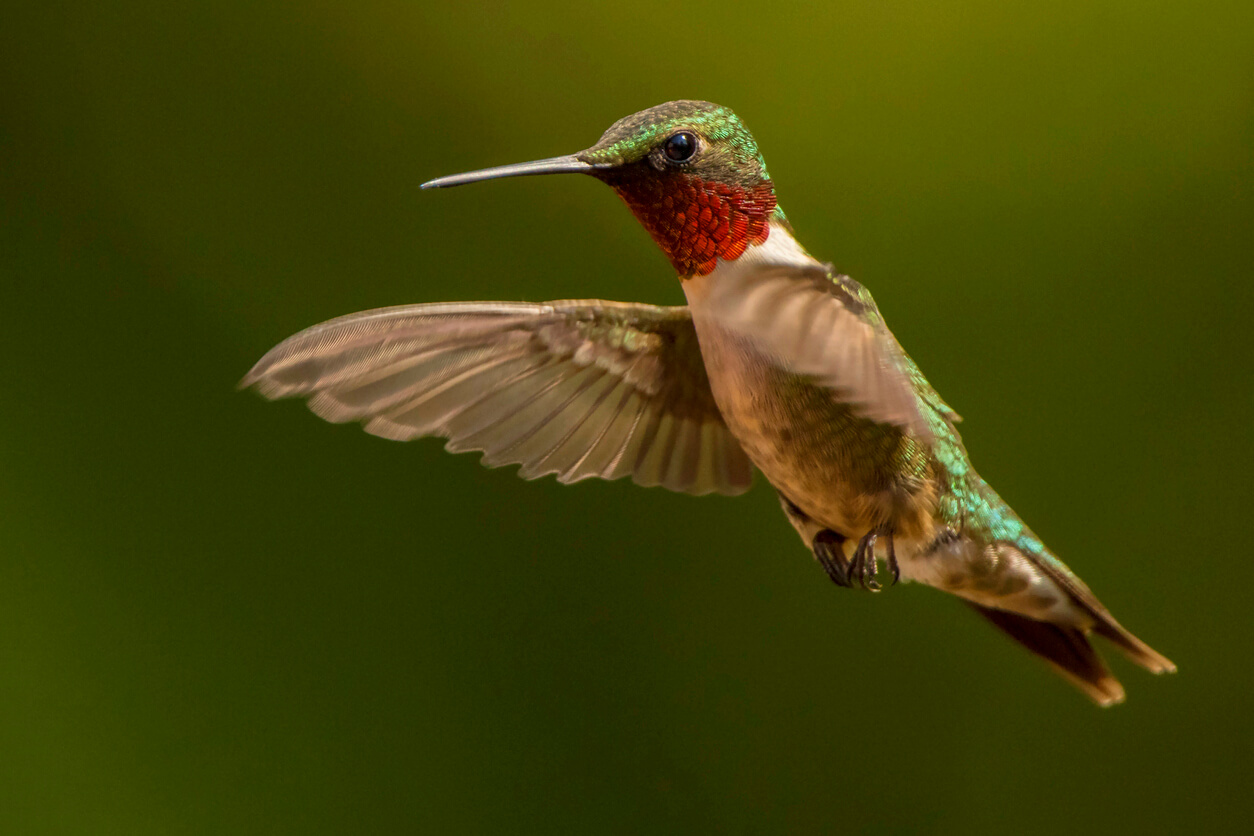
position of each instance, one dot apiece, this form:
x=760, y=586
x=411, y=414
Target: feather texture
x=827, y=328
x=1066, y=649
x=579, y=389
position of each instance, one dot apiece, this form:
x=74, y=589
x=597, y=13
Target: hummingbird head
x=690, y=172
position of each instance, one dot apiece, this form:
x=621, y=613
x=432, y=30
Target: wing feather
x=828, y=328
x=580, y=389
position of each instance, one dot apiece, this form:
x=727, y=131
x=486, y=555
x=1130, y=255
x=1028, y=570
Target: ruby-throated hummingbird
x=777, y=363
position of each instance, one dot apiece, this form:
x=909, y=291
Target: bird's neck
x=777, y=248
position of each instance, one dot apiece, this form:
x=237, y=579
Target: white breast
x=780, y=249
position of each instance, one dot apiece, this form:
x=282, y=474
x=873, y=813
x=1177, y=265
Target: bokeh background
x=220, y=615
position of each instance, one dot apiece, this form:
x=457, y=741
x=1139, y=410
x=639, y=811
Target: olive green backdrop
x=220, y=615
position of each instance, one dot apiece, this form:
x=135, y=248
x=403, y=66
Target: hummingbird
x=777, y=364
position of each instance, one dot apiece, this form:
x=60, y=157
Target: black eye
x=680, y=146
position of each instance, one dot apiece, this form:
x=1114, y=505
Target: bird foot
x=863, y=566
x=861, y=570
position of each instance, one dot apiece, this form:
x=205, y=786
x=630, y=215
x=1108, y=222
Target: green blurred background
x=222, y=615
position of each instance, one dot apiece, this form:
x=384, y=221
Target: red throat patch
x=696, y=222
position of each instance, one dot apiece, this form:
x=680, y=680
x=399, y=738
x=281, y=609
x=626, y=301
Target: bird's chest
x=849, y=473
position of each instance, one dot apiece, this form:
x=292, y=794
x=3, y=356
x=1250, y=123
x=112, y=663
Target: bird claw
x=893, y=567
x=828, y=552
x=863, y=567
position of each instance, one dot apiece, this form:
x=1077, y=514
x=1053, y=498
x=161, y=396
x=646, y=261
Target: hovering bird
x=776, y=363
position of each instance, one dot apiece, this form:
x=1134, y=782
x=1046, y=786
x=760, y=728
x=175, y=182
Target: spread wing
x=578, y=388
x=827, y=327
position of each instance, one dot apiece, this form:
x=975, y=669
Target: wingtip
x=256, y=376
x=248, y=380
x=256, y=380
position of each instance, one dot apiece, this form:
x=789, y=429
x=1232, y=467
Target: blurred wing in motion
x=577, y=388
x=827, y=327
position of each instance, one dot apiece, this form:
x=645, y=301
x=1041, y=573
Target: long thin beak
x=569, y=164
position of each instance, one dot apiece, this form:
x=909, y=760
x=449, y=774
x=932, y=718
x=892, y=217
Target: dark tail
x=1066, y=649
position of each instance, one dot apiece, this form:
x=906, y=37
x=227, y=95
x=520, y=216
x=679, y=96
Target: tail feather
x=1104, y=624
x=1067, y=650
x=1132, y=647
